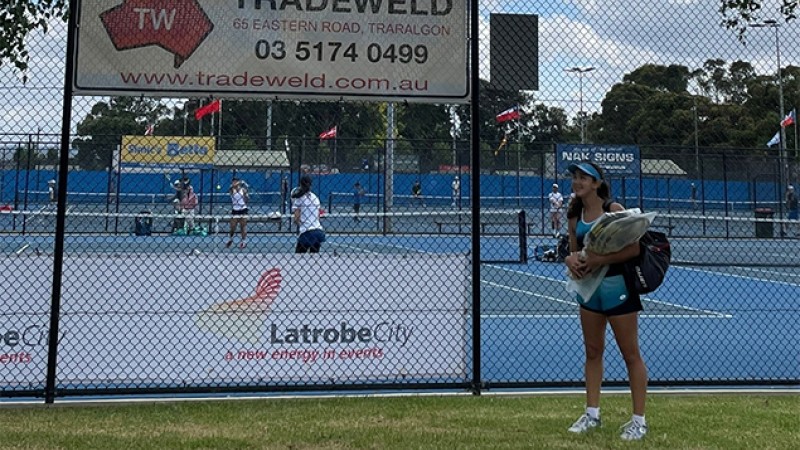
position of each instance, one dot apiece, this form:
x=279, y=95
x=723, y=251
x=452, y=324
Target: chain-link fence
x=162, y=247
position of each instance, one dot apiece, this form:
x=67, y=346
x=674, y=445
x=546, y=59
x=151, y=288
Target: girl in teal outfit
x=612, y=303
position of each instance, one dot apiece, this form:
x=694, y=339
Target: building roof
x=251, y=158
x=661, y=167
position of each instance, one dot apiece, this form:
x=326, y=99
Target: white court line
x=700, y=312
x=733, y=275
x=531, y=293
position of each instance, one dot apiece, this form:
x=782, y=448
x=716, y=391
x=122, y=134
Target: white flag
x=775, y=139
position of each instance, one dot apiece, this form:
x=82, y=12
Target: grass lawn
x=720, y=421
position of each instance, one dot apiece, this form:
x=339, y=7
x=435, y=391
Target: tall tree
x=101, y=131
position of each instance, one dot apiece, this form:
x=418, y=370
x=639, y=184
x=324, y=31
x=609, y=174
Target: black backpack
x=646, y=272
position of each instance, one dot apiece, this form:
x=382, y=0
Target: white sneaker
x=584, y=424
x=633, y=432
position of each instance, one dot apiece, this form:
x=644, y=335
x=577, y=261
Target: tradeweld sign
x=614, y=159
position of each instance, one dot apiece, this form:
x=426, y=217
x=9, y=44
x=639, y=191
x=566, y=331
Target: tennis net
x=503, y=236
x=89, y=201
x=762, y=240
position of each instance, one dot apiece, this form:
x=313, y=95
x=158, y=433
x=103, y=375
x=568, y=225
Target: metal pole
x=784, y=169
x=269, y=125
x=784, y=162
x=580, y=71
x=580, y=112
x=696, y=139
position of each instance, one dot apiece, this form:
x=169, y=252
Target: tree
x=673, y=78
x=20, y=18
x=738, y=14
x=101, y=131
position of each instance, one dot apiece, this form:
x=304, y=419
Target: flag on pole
x=148, y=130
x=210, y=108
x=502, y=144
x=789, y=119
x=329, y=134
x=775, y=139
x=509, y=114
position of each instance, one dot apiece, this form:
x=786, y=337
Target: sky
x=613, y=36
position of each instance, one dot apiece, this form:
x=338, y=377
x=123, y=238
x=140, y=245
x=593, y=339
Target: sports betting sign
x=165, y=151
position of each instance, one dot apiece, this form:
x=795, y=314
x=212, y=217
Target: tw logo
x=156, y=18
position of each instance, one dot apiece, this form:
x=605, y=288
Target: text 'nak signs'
x=177, y=26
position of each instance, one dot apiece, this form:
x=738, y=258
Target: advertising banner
x=614, y=159
x=414, y=50
x=165, y=151
x=166, y=319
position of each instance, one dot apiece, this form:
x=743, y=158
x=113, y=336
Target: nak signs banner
x=228, y=319
x=616, y=160
x=409, y=49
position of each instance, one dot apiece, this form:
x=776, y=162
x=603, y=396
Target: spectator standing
x=358, y=196
x=456, y=190
x=693, y=196
x=51, y=191
x=284, y=193
x=612, y=303
x=791, y=207
x=416, y=193
x=556, y=203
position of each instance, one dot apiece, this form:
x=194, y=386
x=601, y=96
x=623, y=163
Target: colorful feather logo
x=243, y=319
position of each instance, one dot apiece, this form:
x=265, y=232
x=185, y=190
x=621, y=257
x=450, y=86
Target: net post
x=523, y=237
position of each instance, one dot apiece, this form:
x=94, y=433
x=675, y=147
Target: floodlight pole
x=580, y=71
x=771, y=23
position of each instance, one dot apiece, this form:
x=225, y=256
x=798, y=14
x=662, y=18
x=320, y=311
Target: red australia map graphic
x=177, y=26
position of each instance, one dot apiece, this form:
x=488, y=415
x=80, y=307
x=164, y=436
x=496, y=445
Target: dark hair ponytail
x=603, y=191
x=305, y=187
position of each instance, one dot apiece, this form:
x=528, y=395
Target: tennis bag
x=646, y=272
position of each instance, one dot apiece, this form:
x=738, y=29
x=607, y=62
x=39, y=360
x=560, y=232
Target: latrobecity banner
x=225, y=319
x=166, y=151
x=410, y=49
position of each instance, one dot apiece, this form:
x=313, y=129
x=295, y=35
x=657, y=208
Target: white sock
x=639, y=420
x=592, y=412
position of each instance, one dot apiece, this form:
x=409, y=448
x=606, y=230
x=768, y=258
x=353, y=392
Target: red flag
x=148, y=131
x=210, y=108
x=789, y=119
x=328, y=134
x=509, y=114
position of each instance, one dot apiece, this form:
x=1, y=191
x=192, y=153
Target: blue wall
x=659, y=193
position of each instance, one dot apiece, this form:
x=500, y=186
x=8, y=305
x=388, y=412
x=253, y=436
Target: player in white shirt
x=305, y=213
x=239, y=209
x=556, y=203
